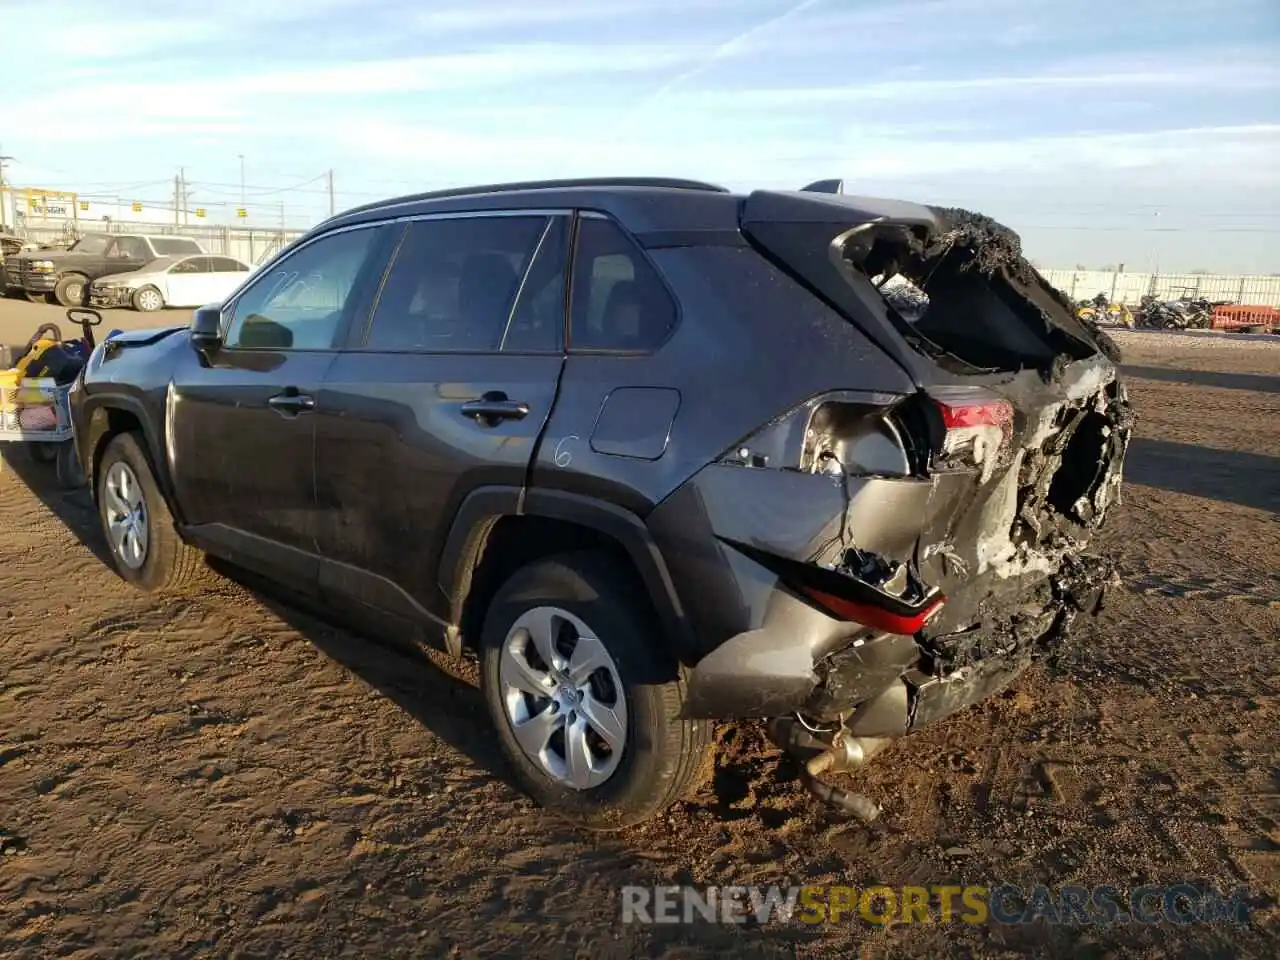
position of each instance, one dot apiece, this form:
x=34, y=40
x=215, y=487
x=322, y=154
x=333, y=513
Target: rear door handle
x=493, y=408
x=291, y=403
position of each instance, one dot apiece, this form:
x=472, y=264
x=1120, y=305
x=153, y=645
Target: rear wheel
x=144, y=544
x=586, y=700
x=148, y=300
x=69, y=291
x=36, y=297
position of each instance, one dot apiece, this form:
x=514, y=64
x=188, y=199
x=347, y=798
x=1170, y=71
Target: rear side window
x=619, y=302
x=454, y=285
x=228, y=265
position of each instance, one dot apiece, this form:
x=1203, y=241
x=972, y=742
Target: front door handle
x=494, y=407
x=291, y=403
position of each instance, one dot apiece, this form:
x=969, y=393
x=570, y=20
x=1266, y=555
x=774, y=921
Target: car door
x=446, y=389
x=242, y=422
x=184, y=282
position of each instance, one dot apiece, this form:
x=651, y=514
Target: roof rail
x=666, y=183
x=824, y=186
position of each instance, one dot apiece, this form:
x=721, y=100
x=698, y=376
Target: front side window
x=299, y=303
x=457, y=284
x=619, y=302
x=94, y=244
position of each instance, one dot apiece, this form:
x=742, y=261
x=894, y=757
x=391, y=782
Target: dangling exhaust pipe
x=819, y=758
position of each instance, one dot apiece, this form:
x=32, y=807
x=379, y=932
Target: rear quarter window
x=620, y=304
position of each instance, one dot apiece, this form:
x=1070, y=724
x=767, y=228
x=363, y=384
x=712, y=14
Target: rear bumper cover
x=884, y=685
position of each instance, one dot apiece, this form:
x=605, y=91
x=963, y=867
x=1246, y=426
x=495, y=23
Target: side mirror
x=206, y=330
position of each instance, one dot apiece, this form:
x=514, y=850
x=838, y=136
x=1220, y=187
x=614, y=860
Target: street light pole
x=3, y=158
x=241, y=156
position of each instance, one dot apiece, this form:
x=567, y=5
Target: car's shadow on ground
x=445, y=703
x=1229, y=476
x=73, y=507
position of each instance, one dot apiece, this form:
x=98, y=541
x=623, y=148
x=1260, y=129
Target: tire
x=67, y=463
x=70, y=290
x=147, y=300
x=662, y=756
x=163, y=560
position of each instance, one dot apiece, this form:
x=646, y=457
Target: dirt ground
x=219, y=774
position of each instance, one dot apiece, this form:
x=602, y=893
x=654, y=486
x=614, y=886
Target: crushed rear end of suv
x=927, y=547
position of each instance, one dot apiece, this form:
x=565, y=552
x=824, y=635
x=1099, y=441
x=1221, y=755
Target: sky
x=1142, y=132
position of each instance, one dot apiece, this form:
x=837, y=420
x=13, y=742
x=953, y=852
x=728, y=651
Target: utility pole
x=3, y=158
x=331, y=193
x=182, y=180
x=177, y=200
x=241, y=156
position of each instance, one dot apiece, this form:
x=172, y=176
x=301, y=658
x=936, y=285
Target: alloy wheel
x=149, y=300
x=126, y=514
x=563, y=698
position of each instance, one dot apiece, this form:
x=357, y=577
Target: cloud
x=261, y=92
x=1199, y=77
x=477, y=17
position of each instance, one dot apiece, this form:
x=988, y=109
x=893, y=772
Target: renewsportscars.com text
x=1181, y=903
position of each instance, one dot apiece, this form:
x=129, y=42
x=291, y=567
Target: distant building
x=33, y=206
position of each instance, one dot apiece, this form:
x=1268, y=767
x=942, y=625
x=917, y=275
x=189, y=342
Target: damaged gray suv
x=657, y=453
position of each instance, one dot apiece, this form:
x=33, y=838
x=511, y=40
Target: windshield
x=168, y=246
x=94, y=243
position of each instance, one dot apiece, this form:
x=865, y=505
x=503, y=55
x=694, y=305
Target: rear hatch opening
x=1019, y=420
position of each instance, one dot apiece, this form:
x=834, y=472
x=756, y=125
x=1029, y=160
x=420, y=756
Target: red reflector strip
x=995, y=413
x=875, y=617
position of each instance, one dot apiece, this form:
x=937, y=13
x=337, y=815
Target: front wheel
x=70, y=290
x=148, y=300
x=585, y=698
x=144, y=544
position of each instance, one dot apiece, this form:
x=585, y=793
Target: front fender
x=102, y=415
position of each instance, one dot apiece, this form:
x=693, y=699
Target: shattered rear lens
x=978, y=426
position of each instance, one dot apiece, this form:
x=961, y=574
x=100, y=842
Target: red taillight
x=878, y=618
x=978, y=426
x=976, y=413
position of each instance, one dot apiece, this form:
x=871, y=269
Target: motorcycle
x=1101, y=310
